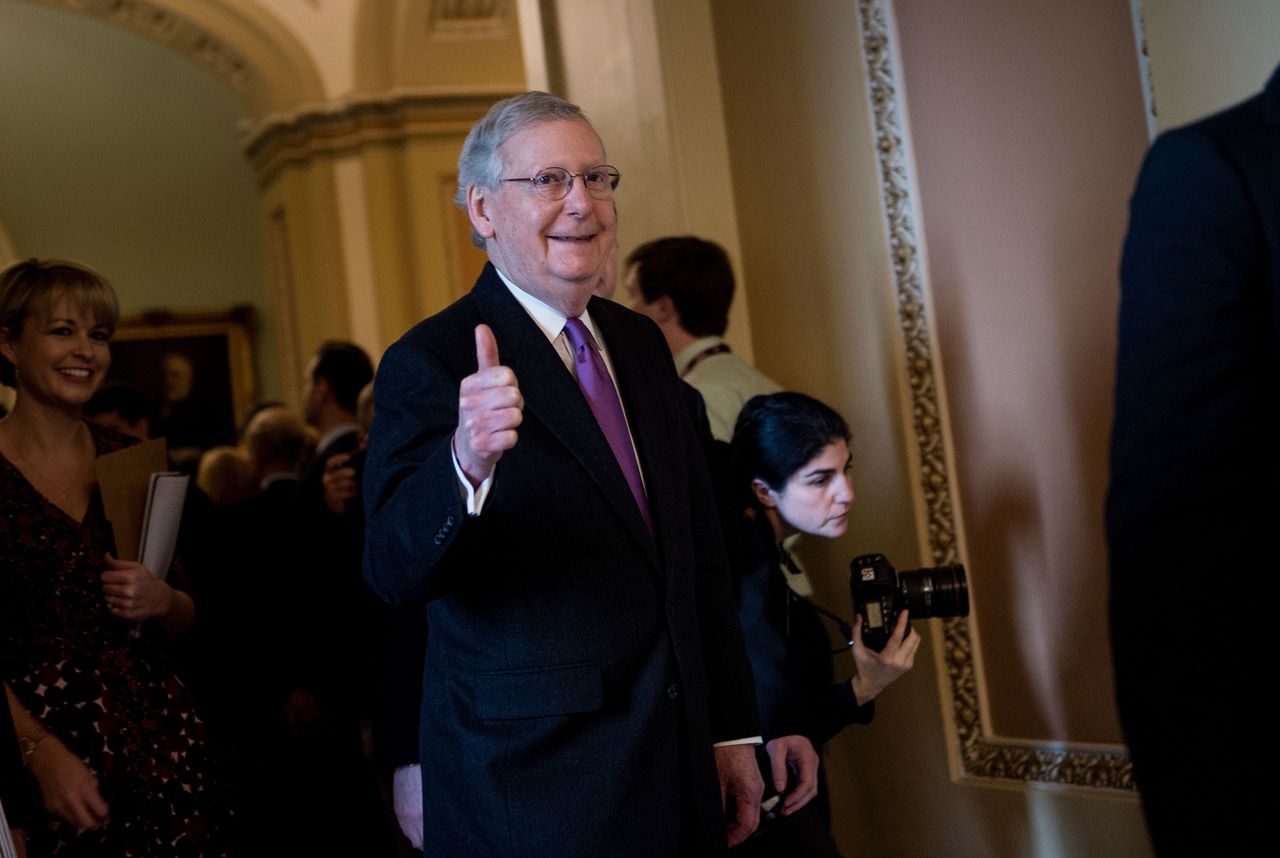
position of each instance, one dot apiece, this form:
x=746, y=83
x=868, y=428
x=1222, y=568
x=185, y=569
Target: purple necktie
x=602, y=396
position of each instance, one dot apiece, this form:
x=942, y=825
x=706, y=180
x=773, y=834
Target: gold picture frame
x=217, y=343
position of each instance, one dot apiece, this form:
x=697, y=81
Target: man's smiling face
x=555, y=250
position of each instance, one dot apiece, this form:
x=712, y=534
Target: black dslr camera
x=880, y=594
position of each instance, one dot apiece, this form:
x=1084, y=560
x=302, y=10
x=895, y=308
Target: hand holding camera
x=881, y=594
x=873, y=670
x=884, y=645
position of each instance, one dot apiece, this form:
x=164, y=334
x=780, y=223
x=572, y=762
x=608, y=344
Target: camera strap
x=790, y=568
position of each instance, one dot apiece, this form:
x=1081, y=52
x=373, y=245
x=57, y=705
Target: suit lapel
x=552, y=396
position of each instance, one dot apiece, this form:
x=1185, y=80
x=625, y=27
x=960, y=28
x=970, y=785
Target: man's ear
x=478, y=211
x=763, y=494
x=322, y=390
x=664, y=310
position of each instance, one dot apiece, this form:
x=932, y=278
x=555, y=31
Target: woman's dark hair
x=36, y=285
x=777, y=435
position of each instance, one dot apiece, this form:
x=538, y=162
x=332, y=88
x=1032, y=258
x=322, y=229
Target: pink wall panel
x=1027, y=123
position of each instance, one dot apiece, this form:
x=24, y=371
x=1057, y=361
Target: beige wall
x=813, y=245
x=1028, y=129
x=646, y=74
x=1207, y=56
x=119, y=153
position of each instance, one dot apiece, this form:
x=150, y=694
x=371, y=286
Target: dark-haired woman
x=103, y=724
x=791, y=466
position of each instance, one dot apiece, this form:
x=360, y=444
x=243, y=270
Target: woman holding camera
x=791, y=465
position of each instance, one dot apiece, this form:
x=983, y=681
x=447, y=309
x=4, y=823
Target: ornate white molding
x=172, y=30
x=979, y=755
x=356, y=122
x=1144, y=68
x=483, y=19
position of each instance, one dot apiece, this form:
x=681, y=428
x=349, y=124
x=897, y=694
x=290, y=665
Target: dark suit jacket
x=351, y=628
x=247, y=636
x=579, y=667
x=1192, y=503
x=790, y=649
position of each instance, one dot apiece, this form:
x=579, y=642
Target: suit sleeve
x=414, y=510
x=838, y=709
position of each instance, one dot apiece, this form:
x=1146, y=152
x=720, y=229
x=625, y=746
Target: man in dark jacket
x=1193, y=502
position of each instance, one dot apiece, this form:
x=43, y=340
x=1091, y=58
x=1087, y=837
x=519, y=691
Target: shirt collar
x=334, y=434
x=685, y=356
x=547, y=318
x=277, y=477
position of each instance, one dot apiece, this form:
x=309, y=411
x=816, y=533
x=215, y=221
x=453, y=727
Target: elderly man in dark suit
x=533, y=476
x=1193, y=499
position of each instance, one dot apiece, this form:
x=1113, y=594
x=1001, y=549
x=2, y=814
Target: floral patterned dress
x=111, y=698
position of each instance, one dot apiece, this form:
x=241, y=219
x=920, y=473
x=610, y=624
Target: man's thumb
x=486, y=347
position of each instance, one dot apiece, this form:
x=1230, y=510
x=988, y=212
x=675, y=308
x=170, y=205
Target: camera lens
x=939, y=591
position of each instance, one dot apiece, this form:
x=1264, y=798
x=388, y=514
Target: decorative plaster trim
x=980, y=756
x=471, y=19
x=359, y=121
x=1144, y=68
x=172, y=30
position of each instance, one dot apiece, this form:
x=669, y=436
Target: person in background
x=791, y=465
x=334, y=378
x=105, y=726
x=247, y=648
x=225, y=475
x=349, y=626
x=123, y=407
x=394, y=644
x=1190, y=510
x=686, y=285
x=349, y=621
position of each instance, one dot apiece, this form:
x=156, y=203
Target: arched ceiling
x=239, y=42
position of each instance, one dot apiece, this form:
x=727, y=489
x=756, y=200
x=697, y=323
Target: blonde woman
x=103, y=724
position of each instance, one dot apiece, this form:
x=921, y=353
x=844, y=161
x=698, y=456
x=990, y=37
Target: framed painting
x=197, y=367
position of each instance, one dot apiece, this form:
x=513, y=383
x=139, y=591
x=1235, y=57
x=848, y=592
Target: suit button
x=673, y=691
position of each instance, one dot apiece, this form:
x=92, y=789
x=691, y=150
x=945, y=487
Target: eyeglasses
x=555, y=183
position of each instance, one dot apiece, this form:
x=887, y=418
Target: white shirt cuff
x=754, y=740
x=475, y=495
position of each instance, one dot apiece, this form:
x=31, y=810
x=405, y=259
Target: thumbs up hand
x=490, y=408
